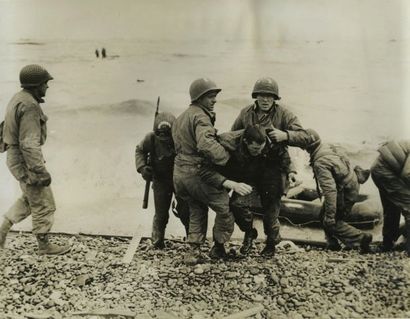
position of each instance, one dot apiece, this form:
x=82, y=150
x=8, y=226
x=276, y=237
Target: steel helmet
x=200, y=87
x=163, y=123
x=267, y=86
x=314, y=138
x=33, y=75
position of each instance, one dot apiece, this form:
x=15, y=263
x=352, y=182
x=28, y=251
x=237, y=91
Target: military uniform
x=340, y=187
x=25, y=131
x=267, y=173
x=162, y=154
x=278, y=117
x=391, y=174
x=195, y=141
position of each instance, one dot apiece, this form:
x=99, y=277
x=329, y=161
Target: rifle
x=149, y=160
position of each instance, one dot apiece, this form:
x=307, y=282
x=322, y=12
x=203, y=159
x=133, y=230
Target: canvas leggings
x=37, y=201
x=163, y=190
x=200, y=196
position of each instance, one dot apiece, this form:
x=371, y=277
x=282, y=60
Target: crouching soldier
x=154, y=160
x=340, y=185
x=391, y=174
x=264, y=165
x=25, y=131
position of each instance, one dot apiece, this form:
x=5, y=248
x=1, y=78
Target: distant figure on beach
x=103, y=53
x=97, y=53
x=25, y=131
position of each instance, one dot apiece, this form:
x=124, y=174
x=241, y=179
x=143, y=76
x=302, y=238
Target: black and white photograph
x=190, y=159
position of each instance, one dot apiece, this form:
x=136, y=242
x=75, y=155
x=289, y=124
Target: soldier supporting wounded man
x=339, y=183
x=283, y=129
x=25, y=131
x=158, y=146
x=196, y=142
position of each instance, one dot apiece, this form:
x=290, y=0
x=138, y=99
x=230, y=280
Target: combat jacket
x=278, y=117
x=160, y=153
x=25, y=131
x=195, y=138
x=332, y=172
x=243, y=167
x=396, y=155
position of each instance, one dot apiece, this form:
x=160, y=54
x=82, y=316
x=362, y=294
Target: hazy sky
x=259, y=19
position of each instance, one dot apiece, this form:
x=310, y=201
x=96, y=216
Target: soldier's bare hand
x=242, y=188
x=278, y=136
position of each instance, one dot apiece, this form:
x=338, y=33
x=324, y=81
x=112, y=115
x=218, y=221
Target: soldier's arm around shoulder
x=207, y=143
x=142, y=150
x=297, y=135
x=30, y=138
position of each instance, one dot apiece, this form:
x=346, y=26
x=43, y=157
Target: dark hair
x=254, y=133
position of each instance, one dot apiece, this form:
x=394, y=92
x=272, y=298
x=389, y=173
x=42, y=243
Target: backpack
x=3, y=145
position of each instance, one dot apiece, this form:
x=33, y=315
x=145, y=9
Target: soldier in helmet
x=340, y=184
x=195, y=141
x=283, y=128
x=24, y=133
x=158, y=146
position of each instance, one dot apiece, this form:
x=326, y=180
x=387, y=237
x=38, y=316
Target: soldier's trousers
x=395, y=198
x=37, y=201
x=347, y=234
x=269, y=200
x=163, y=190
x=199, y=196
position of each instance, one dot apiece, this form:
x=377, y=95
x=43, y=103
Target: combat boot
x=407, y=231
x=269, y=249
x=47, y=248
x=333, y=244
x=160, y=244
x=4, y=230
x=218, y=251
x=250, y=236
x=193, y=255
x=365, y=243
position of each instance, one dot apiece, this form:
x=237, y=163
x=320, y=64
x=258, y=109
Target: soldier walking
x=25, y=131
x=158, y=146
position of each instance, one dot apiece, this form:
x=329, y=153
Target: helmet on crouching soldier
x=33, y=75
x=200, y=87
x=163, y=124
x=266, y=85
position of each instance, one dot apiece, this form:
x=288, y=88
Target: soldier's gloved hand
x=146, y=172
x=277, y=135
